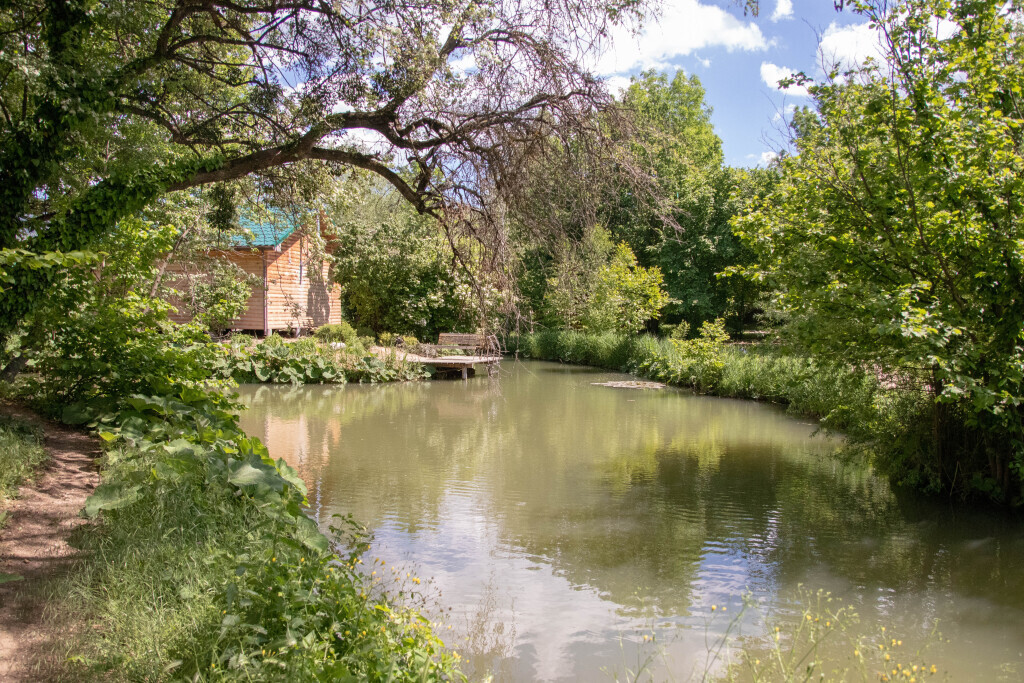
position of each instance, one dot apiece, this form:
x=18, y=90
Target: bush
x=119, y=347
x=304, y=361
x=340, y=332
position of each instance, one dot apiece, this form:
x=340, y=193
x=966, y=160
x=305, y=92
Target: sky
x=739, y=60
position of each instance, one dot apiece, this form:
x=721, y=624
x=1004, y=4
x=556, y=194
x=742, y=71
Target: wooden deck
x=465, y=364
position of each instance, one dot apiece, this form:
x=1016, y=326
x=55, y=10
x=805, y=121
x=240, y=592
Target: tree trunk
x=15, y=366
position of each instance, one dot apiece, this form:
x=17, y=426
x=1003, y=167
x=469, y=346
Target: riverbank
x=200, y=564
x=890, y=420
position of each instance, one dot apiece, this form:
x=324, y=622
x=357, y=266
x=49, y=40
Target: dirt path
x=34, y=542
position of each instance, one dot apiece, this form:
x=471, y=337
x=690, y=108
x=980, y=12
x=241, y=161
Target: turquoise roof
x=277, y=228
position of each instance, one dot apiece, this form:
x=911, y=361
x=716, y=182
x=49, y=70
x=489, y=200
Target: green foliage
x=396, y=268
x=219, y=296
x=116, y=347
x=626, y=295
x=304, y=361
x=341, y=332
x=894, y=237
x=205, y=566
x=680, y=331
x=599, y=286
x=689, y=238
x=703, y=356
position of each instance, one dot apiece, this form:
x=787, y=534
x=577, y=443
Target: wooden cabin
x=289, y=300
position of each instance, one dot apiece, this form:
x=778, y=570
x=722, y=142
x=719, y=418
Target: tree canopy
x=106, y=105
x=894, y=237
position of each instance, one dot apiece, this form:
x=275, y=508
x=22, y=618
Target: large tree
x=688, y=237
x=895, y=238
x=107, y=104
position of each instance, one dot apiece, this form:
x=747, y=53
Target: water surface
x=556, y=523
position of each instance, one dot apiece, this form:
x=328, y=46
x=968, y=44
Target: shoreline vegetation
x=890, y=418
x=201, y=563
x=205, y=534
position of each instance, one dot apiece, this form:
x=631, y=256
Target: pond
x=565, y=530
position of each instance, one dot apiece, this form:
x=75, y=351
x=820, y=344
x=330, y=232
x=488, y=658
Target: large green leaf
x=247, y=474
x=110, y=497
x=309, y=535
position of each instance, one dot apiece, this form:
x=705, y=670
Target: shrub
x=340, y=332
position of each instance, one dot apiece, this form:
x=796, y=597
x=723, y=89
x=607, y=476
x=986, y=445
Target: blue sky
x=739, y=60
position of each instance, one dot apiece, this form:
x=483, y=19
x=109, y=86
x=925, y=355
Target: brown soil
x=34, y=544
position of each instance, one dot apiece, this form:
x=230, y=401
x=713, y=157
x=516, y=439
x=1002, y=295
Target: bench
x=474, y=344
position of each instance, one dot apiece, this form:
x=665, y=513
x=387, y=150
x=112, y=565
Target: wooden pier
x=466, y=365
x=478, y=349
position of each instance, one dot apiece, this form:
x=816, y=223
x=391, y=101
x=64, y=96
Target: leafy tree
x=395, y=267
x=599, y=286
x=627, y=295
x=106, y=105
x=572, y=271
x=690, y=239
x=894, y=237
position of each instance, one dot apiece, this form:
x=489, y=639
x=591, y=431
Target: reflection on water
x=561, y=521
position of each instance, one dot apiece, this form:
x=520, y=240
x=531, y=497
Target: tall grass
x=21, y=455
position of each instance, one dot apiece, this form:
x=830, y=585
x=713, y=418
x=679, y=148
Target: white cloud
x=771, y=74
x=783, y=10
x=768, y=157
x=846, y=47
x=706, y=63
x=683, y=27
x=617, y=85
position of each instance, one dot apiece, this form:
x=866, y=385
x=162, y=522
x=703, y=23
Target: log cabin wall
x=294, y=299
x=251, y=261
x=289, y=299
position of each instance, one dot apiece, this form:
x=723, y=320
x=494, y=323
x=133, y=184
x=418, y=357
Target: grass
x=21, y=456
x=203, y=567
